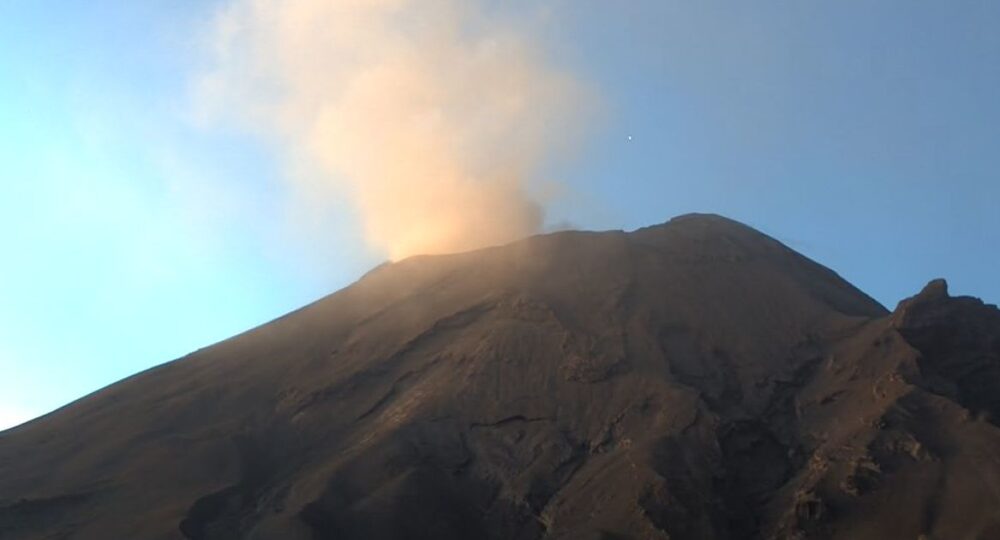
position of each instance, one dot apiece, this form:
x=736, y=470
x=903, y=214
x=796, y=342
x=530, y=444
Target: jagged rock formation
x=695, y=379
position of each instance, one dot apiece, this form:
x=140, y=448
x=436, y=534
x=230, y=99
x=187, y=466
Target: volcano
x=691, y=380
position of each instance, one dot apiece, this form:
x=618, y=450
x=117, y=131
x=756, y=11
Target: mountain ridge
x=694, y=379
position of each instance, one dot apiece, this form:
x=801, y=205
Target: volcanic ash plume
x=431, y=118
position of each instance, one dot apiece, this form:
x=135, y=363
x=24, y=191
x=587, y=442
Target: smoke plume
x=431, y=116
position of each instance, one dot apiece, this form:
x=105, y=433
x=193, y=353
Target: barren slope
x=695, y=379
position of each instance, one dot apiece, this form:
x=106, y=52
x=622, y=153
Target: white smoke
x=430, y=117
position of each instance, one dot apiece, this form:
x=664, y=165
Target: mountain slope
x=695, y=379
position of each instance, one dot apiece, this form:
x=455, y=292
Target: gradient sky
x=865, y=135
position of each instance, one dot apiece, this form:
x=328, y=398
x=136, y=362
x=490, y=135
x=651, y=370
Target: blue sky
x=865, y=136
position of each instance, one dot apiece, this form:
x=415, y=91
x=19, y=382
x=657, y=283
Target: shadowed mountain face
x=696, y=379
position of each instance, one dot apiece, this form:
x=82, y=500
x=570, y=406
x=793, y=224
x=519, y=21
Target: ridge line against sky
x=864, y=136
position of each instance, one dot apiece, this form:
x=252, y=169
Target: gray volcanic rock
x=695, y=379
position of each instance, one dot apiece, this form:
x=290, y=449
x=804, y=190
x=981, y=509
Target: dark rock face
x=959, y=344
x=695, y=379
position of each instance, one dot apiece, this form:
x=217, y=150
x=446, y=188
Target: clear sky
x=865, y=135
